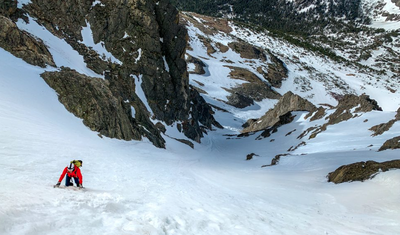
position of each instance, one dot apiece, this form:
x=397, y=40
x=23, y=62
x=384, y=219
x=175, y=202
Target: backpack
x=77, y=163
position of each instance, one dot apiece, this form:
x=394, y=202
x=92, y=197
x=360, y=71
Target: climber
x=72, y=172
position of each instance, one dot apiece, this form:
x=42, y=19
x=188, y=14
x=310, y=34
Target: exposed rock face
x=288, y=103
x=208, y=25
x=201, y=112
x=360, y=103
x=348, y=105
x=381, y=128
x=92, y=100
x=62, y=18
x=283, y=119
x=8, y=7
x=23, y=45
x=393, y=143
x=318, y=114
x=145, y=36
x=247, y=51
x=361, y=171
x=277, y=72
x=174, y=38
x=244, y=94
x=238, y=100
x=66, y=20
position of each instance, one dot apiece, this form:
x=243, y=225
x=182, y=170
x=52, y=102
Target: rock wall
x=92, y=100
x=145, y=36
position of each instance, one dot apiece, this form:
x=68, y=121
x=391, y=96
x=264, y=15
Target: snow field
x=134, y=188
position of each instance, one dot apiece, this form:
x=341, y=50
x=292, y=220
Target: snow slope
x=134, y=188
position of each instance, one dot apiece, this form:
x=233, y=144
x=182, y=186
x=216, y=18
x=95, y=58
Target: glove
x=57, y=185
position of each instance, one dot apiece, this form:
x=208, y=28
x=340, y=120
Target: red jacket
x=75, y=173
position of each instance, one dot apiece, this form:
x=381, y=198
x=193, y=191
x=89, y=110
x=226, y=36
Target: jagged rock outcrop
x=362, y=103
x=348, y=107
x=288, y=103
x=381, y=128
x=393, y=143
x=23, y=45
x=91, y=99
x=361, y=171
x=321, y=112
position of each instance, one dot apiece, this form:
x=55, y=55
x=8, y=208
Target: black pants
x=68, y=179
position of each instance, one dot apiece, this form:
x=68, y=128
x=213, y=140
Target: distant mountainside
x=297, y=16
x=240, y=69
x=362, y=33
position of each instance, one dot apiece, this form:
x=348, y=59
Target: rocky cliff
x=23, y=45
x=144, y=35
